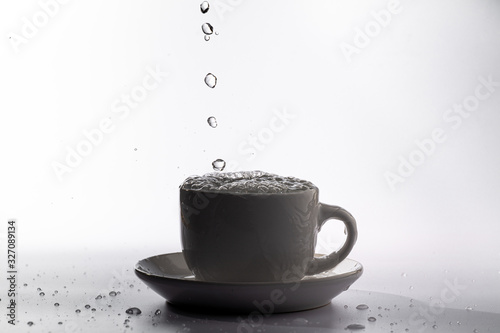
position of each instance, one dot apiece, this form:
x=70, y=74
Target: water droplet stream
x=211, y=80
x=204, y=7
x=219, y=164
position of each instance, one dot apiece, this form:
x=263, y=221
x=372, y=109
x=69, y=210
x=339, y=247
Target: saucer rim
x=358, y=271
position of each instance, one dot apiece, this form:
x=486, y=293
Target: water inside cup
x=246, y=182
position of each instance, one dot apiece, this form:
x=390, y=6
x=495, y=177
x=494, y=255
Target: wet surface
x=99, y=293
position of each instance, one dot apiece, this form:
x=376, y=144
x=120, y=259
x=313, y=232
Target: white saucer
x=169, y=276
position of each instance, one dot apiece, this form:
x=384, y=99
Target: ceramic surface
x=170, y=277
x=255, y=237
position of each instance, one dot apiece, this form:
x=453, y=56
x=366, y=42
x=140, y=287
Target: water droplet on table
x=212, y=122
x=30, y=323
x=133, y=311
x=362, y=307
x=434, y=326
x=56, y=304
x=207, y=37
x=87, y=306
x=78, y=310
x=211, y=80
x=42, y=294
x=354, y=327
x=158, y=312
x=219, y=164
x=112, y=293
x=204, y=7
x=300, y=321
x=207, y=28
x=469, y=308
x=372, y=319
x=98, y=297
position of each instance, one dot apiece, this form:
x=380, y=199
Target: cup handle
x=327, y=212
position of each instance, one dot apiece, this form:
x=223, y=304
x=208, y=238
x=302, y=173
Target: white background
x=355, y=117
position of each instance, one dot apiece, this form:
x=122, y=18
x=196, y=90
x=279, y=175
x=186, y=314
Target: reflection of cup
x=256, y=235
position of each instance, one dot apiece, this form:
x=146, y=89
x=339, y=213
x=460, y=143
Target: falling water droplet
x=212, y=122
x=206, y=37
x=78, y=310
x=403, y=275
x=355, y=327
x=133, y=311
x=207, y=28
x=42, y=294
x=372, y=319
x=112, y=293
x=219, y=164
x=56, y=304
x=204, y=7
x=158, y=312
x=362, y=307
x=30, y=323
x=411, y=287
x=211, y=80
